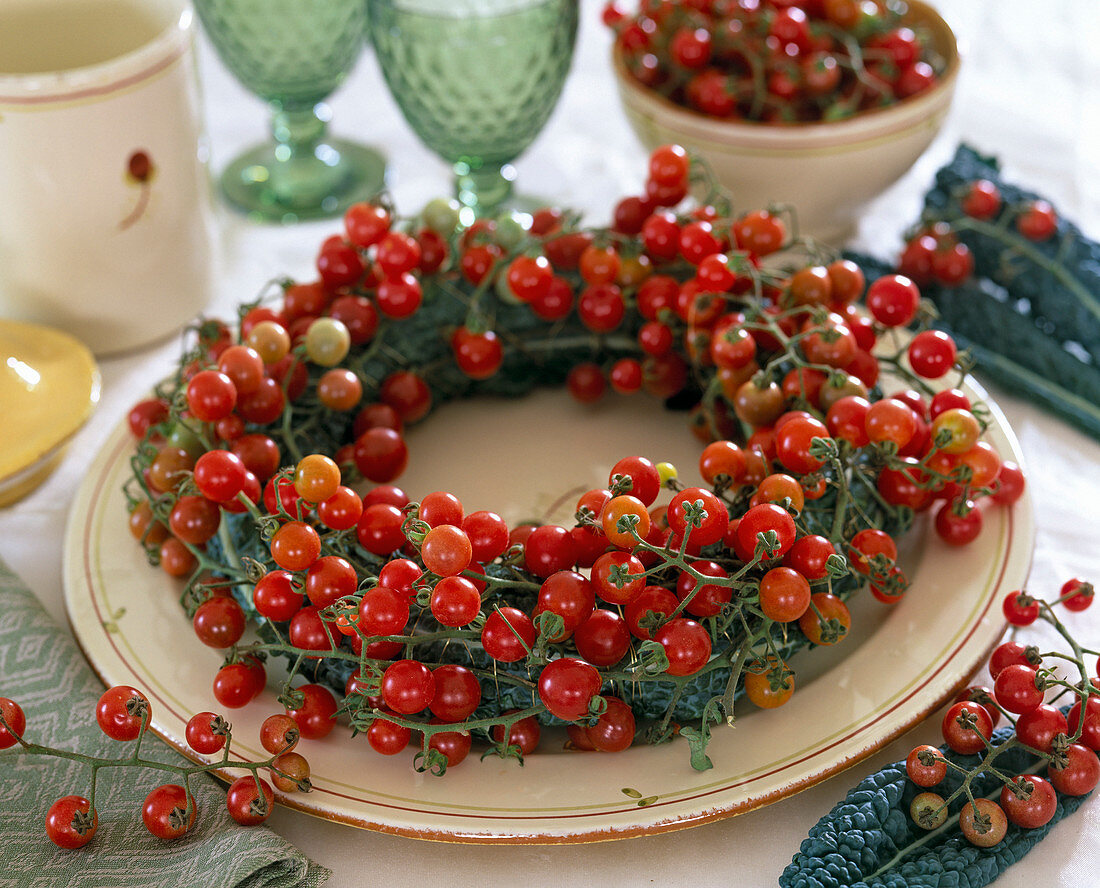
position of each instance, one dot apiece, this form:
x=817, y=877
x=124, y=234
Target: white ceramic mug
x=104, y=197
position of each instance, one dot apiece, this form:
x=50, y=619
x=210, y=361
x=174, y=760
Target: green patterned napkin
x=42, y=669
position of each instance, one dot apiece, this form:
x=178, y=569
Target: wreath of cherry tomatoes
x=419, y=620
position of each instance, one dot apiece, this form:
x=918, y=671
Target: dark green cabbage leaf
x=869, y=840
x=1030, y=315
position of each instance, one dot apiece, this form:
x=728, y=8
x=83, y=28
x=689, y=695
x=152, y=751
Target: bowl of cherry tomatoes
x=820, y=105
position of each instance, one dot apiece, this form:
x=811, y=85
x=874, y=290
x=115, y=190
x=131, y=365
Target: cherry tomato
x=957, y=529
x=122, y=712
x=1038, y=222
x=982, y=200
x=1090, y=731
x=275, y=597
x=928, y=810
x=316, y=716
x=713, y=518
x=809, y=556
x=668, y=164
x=250, y=800
x=549, y=549
x=455, y=601
x=379, y=530
x=1009, y=486
x=290, y=772
x=760, y=232
x=68, y=823
x=508, y=634
x=966, y=726
x=176, y=559
x=769, y=685
x=603, y=639
x=893, y=300
x=529, y=277
x=761, y=519
x=238, y=684
x=1009, y=652
x=1030, y=803
x=758, y=405
x=955, y=430
x=383, y=611
x=446, y=550
x=16, y=722
x=1016, y=689
x=408, y=394
x=614, y=729
x=279, y=733
x=983, y=822
x=309, y=631
x=1076, y=595
x=194, y=519
x=457, y=693
x=145, y=414
x=655, y=600
x=644, y=480
x=703, y=599
x=925, y=766
x=408, y=686
x=891, y=420
x=827, y=620
x=566, y=687
x=869, y=546
x=219, y=622
x=211, y=395
x=478, y=355
x=381, y=454
x=793, y=441
x=570, y=595
x=618, y=576
x=1079, y=773
x=781, y=489
x=168, y=811
x=931, y=353
x=1020, y=609
x=454, y=745
x=784, y=594
x=366, y=224
x=1038, y=727
x=386, y=737
x=488, y=535
x=687, y=645
x=523, y=734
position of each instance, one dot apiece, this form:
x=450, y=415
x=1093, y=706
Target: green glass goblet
x=476, y=80
x=293, y=54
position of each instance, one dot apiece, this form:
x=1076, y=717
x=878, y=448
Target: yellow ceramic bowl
x=826, y=170
x=49, y=385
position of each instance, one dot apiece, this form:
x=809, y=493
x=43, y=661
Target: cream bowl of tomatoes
x=820, y=105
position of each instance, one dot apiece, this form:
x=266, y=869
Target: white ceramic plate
x=900, y=663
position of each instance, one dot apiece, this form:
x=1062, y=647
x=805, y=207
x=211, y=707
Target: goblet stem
x=485, y=187
x=305, y=168
x=300, y=129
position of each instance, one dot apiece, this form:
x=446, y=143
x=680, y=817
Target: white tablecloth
x=1029, y=92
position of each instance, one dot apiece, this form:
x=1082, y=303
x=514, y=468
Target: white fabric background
x=1029, y=91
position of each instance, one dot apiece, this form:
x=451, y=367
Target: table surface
x=1029, y=92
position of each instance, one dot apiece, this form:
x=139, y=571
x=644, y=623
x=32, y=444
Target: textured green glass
x=476, y=79
x=293, y=54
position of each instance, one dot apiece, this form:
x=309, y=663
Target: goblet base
x=323, y=184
